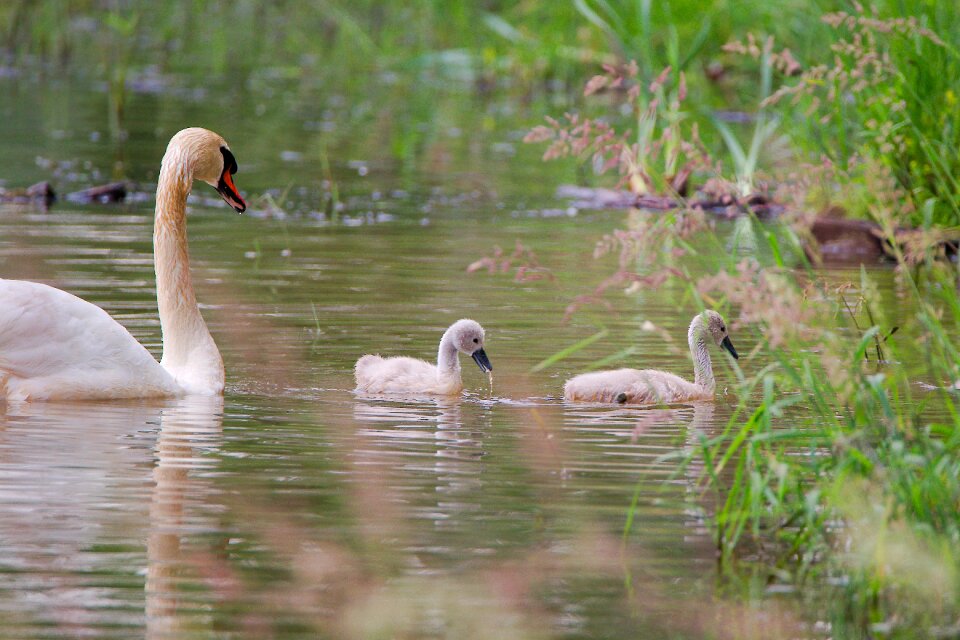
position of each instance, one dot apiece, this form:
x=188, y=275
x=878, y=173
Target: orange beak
x=228, y=191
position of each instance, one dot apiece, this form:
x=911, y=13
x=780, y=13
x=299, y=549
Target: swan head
x=467, y=336
x=207, y=157
x=716, y=328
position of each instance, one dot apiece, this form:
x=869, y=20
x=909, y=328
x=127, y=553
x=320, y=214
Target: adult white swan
x=55, y=346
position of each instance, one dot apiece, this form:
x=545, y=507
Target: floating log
x=847, y=240
x=833, y=238
x=103, y=194
x=40, y=193
x=728, y=206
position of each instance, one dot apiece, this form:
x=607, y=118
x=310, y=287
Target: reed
x=862, y=490
x=883, y=94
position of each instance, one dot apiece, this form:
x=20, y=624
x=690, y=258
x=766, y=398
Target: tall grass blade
x=568, y=351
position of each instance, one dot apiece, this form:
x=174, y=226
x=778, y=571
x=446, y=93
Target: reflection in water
x=637, y=442
x=650, y=431
x=188, y=430
x=65, y=506
x=75, y=485
x=393, y=420
x=446, y=455
x=701, y=427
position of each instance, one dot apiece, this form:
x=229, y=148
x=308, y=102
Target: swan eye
x=722, y=328
x=476, y=341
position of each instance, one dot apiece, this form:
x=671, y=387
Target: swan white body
x=650, y=386
x=56, y=346
x=375, y=374
x=634, y=386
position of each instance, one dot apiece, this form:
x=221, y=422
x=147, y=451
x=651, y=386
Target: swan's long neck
x=702, y=366
x=448, y=364
x=189, y=352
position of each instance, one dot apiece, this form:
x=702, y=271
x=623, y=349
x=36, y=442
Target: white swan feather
x=54, y=345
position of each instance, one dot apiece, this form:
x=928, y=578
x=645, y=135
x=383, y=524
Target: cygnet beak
x=480, y=357
x=726, y=344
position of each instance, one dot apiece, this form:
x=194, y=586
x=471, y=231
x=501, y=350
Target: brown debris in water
x=722, y=204
x=104, y=193
x=41, y=193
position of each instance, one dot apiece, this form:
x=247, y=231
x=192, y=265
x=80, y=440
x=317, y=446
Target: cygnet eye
x=722, y=328
x=476, y=340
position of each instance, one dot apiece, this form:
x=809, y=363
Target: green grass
x=887, y=95
x=859, y=495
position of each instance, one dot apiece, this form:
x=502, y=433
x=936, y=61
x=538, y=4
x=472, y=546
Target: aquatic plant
x=631, y=28
x=745, y=161
x=523, y=261
x=794, y=487
x=658, y=156
x=887, y=96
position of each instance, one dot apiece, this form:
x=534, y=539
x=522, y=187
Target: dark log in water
x=728, y=206
x=105, y=193
x=834, y=239
x=846, y=240
x=40, y=193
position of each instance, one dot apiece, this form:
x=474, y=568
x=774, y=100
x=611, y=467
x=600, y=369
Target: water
x=293, y=507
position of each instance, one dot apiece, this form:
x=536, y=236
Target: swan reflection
x=189, y=431
x=634, y=439
x=435, y=448
x=83, y=486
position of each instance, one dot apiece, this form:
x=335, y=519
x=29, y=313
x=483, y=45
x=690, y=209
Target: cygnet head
x=467, y=336
x=717, y=330
x=210, y=160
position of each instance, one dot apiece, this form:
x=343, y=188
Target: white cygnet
x=649, y=386
x=410, y=375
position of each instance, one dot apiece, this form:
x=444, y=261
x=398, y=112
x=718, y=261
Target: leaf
x=504, y=29
x=568, y=351
x=592, y=15
x=733, y=145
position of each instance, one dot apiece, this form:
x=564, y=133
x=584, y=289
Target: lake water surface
x=293, y=507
